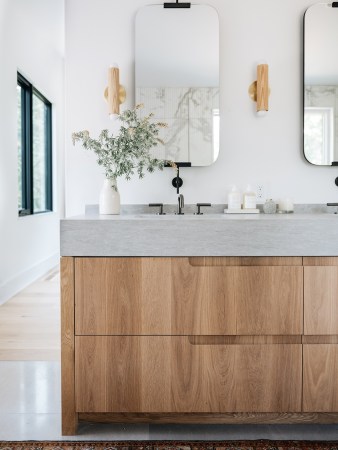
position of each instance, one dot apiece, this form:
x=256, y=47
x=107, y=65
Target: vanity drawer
x=321, y=296
x=170, y=374
x=320, y=389
x=188, y=296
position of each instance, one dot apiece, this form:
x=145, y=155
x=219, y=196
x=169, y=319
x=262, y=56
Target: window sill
x=40, y=214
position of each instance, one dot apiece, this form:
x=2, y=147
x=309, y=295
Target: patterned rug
x=169, y=445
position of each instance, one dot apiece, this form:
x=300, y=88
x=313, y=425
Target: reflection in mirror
x=177, y=78
x=321, y=84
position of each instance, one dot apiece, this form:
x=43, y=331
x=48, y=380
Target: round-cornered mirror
x=177, y=79
x=321, y=84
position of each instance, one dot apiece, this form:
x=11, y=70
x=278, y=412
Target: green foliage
x=129, y=151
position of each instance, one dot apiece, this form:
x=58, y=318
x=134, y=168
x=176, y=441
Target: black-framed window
x=34, y=150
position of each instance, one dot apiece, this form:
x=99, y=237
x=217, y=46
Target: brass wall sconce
x=115, y=94
x=259, y=90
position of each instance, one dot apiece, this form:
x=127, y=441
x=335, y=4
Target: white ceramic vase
x=109, y=198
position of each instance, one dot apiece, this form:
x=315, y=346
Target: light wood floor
x=30, y=322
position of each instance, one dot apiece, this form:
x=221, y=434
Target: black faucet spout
x=180, y=204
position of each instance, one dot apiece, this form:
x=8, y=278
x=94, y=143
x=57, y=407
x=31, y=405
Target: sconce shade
x=259, y=90
x=113, y=90
x=262, y=87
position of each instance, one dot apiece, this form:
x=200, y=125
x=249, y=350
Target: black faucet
x=180, y=205
x=158, y=205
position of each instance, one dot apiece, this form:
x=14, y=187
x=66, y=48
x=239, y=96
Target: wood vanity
x=199, y=339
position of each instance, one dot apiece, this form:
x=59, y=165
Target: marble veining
x=190, y=113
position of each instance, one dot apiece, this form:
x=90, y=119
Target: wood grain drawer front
x=320, y=300
x=122, y=296
x=170, y=296
x=252, y=300
x=320, y=389
x=168, y=374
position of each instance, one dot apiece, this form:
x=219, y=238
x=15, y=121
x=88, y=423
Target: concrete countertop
x=298, y=234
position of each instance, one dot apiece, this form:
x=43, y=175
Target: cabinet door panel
x=169, y=374
x=320, y=389
x=320, y=300
x=170, y=296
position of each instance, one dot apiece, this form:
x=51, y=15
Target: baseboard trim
x=211, y=418
x=23, y=279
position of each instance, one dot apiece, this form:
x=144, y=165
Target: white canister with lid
x=285, y=205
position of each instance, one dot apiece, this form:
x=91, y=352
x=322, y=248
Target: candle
x=286, y=204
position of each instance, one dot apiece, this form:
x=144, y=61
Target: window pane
x=39, y=155
x=19, y=137
x=34, y=114
x=318, y=135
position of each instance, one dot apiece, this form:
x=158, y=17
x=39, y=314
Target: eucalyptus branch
x=128, y=152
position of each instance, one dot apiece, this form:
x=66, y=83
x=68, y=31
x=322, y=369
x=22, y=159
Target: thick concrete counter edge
x=311, y=235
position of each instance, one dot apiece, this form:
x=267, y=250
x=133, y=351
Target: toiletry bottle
x=249, y=198
x=234, y=199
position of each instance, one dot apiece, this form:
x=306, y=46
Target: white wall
x=32, y=42
x=258, y=150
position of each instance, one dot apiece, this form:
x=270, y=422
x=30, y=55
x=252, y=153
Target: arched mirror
x=177, y=78
x=321, y=84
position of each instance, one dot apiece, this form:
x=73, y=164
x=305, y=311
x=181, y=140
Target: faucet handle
x=332, y=204
x=199, y=205
x=158, y=205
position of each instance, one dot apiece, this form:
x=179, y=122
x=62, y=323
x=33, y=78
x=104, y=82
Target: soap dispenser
x=234, y=199
x=249, y=198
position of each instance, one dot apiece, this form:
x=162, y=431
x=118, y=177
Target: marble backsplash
x=192, y=114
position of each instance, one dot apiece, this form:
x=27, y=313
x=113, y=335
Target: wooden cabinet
x=321, y=296
x=320, y=377
x=320, y=349
x=158, y=374
x=187, y=296
x=200, y=339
